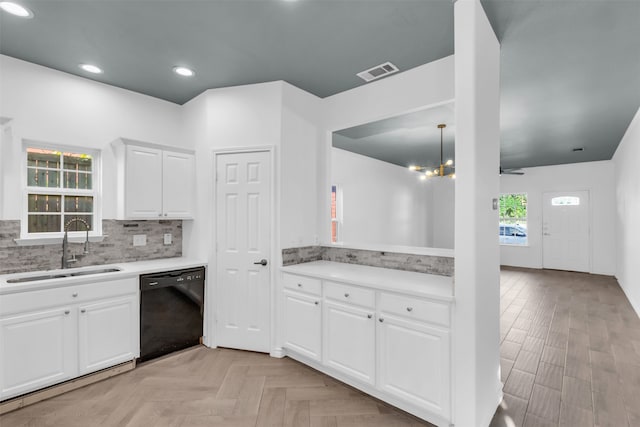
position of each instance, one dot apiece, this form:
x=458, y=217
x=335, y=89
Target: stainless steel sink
x=61, y=275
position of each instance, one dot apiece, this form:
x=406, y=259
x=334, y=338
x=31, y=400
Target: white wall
x=476, y=342
x=627, y=187
x=442, y=212
x=382, y=203
x=52, y=106
x=424, y=86
x=301, y=136
x=596, y=177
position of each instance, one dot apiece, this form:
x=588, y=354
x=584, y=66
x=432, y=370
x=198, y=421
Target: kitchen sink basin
x=61, y=275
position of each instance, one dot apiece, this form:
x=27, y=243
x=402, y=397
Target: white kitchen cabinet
x=52, y=335
x=349, y=340
x=385, y=332
x=303, y=326
x=154, y=182
x=413, y=363
x=37, y=349
x=106, y=333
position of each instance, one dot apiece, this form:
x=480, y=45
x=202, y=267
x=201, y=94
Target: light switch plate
x=139, y=240
x=167, y=238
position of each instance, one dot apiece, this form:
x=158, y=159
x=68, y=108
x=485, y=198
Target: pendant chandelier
x=446, y=169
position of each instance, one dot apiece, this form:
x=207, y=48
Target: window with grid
x=61, y=186
x=513, y=219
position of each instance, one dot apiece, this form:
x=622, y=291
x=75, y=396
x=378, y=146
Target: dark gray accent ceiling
x=570, y=69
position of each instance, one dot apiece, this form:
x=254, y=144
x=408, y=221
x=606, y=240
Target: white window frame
x=95, y=192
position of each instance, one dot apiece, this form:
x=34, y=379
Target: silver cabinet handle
x=381, y=320
x=165, y=214
x=261, y=262
x=316, y=303
x=409, y=308
x=153, y=283
x=299, y=285
x=346, y=295
x=83, y=311
x=369, y=316
x=159, y=214
x=75, y=294
x=66, y=312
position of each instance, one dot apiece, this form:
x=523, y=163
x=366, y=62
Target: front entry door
x=565, y=231
x=243, y=232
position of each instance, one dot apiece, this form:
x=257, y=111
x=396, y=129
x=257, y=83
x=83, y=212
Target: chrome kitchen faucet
x=65, y=242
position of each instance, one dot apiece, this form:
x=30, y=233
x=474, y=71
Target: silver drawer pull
x=83, y=311
x=316, y=303
x=381, y=320
x=369, y=316
x=66, y=312
x=346, y=295
x=299, y=285
x=409, y=308
x=153, y=283
x=75, y=294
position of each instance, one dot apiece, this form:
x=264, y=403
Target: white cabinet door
x=349, y=337
x=302, y=324
x=143, y=192
x=37, y=349
x=414, y=363
x=178, y=180
x=108, y=333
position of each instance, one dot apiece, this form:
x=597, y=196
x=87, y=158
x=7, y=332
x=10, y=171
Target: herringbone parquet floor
x=213, y=387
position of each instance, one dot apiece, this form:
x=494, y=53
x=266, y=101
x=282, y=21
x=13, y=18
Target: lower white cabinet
x=37, y=349
x=393, y=345
x=303, y=333
x=50, y=336
x=349, y=340
x=106, y=333
x=413, y=362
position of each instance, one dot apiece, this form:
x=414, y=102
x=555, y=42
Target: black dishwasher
x=171, y=311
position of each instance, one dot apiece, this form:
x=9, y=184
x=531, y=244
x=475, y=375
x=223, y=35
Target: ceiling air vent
x=378, y=71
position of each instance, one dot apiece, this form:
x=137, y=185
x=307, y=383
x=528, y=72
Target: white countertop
x=418, y=284
x=127, y=269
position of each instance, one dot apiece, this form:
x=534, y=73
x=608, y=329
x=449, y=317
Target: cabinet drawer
x=302, y=284
x=350, y=294
x=37, y=299
x=415, y=308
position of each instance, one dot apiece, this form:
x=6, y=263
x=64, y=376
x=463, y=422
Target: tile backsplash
x=116, y=247
x=439, y=265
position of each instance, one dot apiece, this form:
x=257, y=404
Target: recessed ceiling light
x=183, y=71
x=91, y=68
x=15, y=9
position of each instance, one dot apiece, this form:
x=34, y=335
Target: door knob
x=261, y=262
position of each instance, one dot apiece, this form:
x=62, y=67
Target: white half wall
x=51, y=106
x=421, y=87
x=627, y=212
x=596, y=177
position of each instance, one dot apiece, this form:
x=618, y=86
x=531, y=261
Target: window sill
x=35, y=241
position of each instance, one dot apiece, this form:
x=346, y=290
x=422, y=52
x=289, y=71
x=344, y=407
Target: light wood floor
x=570, y=356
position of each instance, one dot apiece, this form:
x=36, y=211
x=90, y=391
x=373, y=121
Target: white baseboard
x=634, y=302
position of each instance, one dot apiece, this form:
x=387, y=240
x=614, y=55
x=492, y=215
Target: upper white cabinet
x=154, y=182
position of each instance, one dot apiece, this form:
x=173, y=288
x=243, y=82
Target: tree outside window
x=513, y=219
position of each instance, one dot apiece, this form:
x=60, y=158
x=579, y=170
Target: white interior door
x=565, y=231
x=243, y=208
